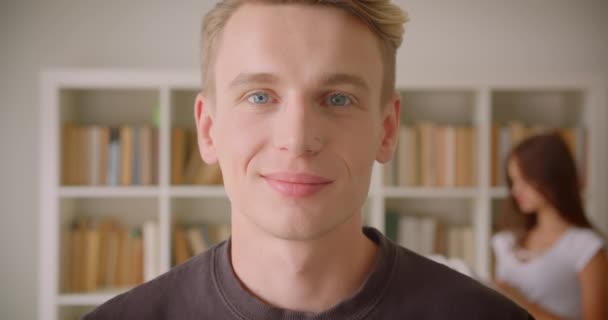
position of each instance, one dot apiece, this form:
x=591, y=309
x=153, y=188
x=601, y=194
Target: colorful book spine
x=114, y=157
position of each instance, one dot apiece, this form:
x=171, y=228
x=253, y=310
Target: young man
x=298, y=101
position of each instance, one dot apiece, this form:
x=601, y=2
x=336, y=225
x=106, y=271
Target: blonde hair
x=382, y=17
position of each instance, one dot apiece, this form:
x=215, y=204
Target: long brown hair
x=548, y=166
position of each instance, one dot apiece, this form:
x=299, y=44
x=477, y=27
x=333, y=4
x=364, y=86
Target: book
x=104, y=144
x=209, y=175
x=213, y=233
x=206, y=235
x=461, y=244
x=180, y=246
x=468, y=245
x=145, y=154
x=77, y=256
x=178, y=153
x=440, y=238
x=194, y=161
x=114, y=157
x=104, y=227
x=195, y=239
x=462, y=157
x=426, y=133
x=93, y=149
x=64, y=258
x=112, y=247
x=494, y=155
x=123, y=271
x=427, y=231
x=82, y=156
x=155, y=155
x=455, y=247
x=474, y=164
x=136, y=158
x=66, y=155
x=137, y=251
x=440, y=158
x=408, y=232
x=102, y=254
x=450, y=156
x=75, y=162
x=505, y=150
x=126, y=156
x=92, y=258
x=151, y=250
x=223, y=232
x=407, y=157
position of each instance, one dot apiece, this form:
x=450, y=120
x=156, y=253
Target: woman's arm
x=535, y=310
x=594, y=282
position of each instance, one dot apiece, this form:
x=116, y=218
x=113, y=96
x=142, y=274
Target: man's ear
x=390, y=129
x=204, y=129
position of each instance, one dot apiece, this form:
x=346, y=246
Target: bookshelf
x=162, y=100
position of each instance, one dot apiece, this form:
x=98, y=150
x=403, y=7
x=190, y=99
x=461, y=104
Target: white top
x=550, y=279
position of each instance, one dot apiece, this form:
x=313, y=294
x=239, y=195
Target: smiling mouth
x=296, y=185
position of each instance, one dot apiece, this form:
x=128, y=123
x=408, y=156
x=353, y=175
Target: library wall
x=445, y=39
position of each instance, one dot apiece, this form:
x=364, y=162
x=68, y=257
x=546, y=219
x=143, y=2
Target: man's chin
x=298, y=227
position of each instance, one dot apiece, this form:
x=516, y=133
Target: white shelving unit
x=114, y=97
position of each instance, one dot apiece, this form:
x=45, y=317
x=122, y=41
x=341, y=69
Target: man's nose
x=298, y=128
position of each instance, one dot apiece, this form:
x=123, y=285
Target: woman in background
x=549, y=259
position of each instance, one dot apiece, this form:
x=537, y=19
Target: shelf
x=182, y=103
x=454, y=107
x=164, y=101
x=108, y=192
x=86, y=299
x=453, y=211
x=499, y=192
x=429, y=192
x=100, y=106
x=503, y=193
x=198, y=191
x=561, y=108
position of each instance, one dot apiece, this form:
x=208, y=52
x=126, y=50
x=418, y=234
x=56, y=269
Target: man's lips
x=296, y=185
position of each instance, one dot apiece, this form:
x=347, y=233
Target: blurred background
x=445, y=41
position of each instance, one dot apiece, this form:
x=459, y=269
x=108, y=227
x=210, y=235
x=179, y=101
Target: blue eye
x=339, y=100
x=259, y=98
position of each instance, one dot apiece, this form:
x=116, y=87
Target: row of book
x=506, y=136
x=187, y=166
x=191, y=240
x=105, y=255
x=432, y=155
x=429, y=236
x=97, y=155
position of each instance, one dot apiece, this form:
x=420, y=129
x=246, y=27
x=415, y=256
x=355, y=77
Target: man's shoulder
x=160, y=297
x=419, y=282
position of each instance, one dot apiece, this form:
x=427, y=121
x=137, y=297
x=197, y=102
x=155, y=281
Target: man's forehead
x=292, y=24
x=262, y=42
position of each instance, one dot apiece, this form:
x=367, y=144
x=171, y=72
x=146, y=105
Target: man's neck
x=307, y=276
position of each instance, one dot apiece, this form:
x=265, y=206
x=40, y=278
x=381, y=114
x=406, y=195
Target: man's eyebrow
x=345, y=78
x=249, y=78
x=327, y=80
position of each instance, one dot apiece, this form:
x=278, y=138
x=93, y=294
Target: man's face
x=296, y=121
